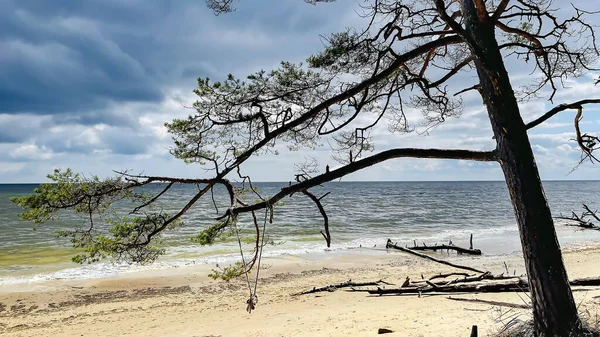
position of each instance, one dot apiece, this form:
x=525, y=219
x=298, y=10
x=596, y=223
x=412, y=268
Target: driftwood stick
x=390, y=244
x=586, y=281
x=583, y=220
x=496, y=303
x=579, y=222
x=591, y=213
x=518, y=284
x=464, y=279
x=333, y=287
x=448, y=275
x=468, y=279
x=458, y=249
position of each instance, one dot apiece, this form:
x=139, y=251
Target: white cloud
x=31, y=152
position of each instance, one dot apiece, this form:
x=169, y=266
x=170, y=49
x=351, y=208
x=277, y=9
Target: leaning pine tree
x=409, y=55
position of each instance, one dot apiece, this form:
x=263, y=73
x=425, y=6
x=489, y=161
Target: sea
x=362, y=216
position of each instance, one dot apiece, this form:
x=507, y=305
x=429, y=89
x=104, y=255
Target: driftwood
x=458, y=249
x=390, y=244
x=496, y=303
x=449, y=246
x=334, y=287
x=465, y=283
x=466, y=279
x=585, y=225
x=448, y=275
x=517, y=285
x=583, y=220
x=586, y=281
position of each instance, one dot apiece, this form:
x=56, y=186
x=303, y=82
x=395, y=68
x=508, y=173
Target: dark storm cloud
x=90, y=118
x=73, y=56
x=55, y=61
x=19, y=129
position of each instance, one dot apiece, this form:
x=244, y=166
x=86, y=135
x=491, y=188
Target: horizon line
x=350, y=181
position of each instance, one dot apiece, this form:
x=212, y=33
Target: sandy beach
x=185, y=302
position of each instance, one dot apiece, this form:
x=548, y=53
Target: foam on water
x=361, y=215
x=105, y=269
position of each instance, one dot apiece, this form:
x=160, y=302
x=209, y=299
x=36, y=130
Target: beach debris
x=517, y=284
x=583, y=221
x=347, y=284
x=458, y=249
x=480, y=282
x=446, y=275
x=450, y=246
x=382, y=331
x=390, y=244
x=454, y=282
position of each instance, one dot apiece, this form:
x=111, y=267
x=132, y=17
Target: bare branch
x=367, y=162
x=587, y=143
x=499, y=10
x=317, y=201
x=575, y=105
x=135, y=210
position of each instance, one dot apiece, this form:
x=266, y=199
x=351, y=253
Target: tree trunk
x=554, y=310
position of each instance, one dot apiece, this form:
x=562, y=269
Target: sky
x=89, y=85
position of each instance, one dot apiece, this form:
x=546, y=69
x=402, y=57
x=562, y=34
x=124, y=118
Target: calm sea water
x=361, y=214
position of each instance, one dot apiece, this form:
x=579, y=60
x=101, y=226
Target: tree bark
x=554, y=310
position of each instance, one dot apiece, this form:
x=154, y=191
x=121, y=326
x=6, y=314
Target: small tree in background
x=407, y=56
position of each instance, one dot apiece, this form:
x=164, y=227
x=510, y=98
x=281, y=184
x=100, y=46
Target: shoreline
x=186, y=302
x=66, y=270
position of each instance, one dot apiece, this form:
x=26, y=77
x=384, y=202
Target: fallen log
x=519, y=285
x=585, y=225
x=334, y=287
x=586, y=281
x=458, y=249
x=390, y=244
x=448, y=275
x=583, y=220
x=467, y=279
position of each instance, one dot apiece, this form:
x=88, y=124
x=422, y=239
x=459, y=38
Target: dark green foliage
x=228, y=273
x=211, y=233
x=104, y=233
x=71, y=190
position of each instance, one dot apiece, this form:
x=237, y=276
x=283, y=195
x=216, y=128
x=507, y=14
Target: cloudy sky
x=89, y=85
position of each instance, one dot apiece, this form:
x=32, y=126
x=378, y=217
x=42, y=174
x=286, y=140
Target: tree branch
x=317, y=201
x=364, y=163
x=389, y=71
x=559, y=108
x=499, y=10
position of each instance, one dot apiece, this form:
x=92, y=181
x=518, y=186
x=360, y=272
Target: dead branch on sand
x=334, y=287
x=584, y=221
